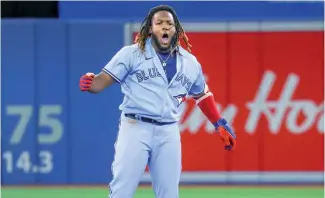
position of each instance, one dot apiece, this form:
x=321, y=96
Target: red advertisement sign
x=270, y=87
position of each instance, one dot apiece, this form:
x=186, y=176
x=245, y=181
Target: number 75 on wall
x=48, y=116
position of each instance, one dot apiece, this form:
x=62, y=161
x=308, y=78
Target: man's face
x=163, y=30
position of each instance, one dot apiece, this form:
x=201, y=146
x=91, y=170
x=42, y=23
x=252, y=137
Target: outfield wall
x=267, y=78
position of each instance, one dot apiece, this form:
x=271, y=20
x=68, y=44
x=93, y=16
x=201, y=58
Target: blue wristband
x=223, y=123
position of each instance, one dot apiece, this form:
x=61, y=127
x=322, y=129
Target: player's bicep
x=198, y=86
x=119, y=66
x=205, y=93
x=202, y=91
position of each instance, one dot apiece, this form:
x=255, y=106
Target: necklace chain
x=164, y=61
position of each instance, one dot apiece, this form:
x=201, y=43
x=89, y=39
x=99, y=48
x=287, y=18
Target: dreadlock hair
x=144, y=32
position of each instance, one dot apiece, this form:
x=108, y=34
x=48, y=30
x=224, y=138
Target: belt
x=144, y=119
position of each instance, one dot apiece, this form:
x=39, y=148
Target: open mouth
x=164, y=39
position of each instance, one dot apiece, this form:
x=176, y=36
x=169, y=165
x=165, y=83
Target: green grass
x=185, y=192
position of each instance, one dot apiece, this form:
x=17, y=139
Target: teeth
x=164, y=40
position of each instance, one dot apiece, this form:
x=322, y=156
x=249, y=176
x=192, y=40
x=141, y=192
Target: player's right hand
x=85, y=81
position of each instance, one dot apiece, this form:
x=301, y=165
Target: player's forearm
x=207, y=104
x=100, y=82
x=97, y=85
x=209, y=108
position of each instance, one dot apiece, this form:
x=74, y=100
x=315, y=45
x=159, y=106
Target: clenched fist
x=85, y=81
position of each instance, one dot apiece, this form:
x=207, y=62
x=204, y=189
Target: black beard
x=163, y=48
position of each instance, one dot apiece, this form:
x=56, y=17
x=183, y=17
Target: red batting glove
x=227, y=139
x=85, y=81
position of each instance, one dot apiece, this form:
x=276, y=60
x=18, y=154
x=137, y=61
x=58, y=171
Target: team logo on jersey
x=180, y=99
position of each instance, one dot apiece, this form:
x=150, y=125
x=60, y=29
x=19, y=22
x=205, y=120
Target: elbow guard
x=208, y=106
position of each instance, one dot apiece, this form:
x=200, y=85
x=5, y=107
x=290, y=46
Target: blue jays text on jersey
x=147, y=91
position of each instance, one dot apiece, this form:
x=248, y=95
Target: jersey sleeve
x=119, y=66
x=198, y=86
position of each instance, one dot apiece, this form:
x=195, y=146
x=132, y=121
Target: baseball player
x=156, y=76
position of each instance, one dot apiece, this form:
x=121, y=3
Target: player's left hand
x=227, y=135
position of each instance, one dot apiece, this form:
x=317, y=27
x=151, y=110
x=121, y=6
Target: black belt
x=144, y=119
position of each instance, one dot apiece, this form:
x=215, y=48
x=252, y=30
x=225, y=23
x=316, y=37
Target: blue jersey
x=147, y=91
